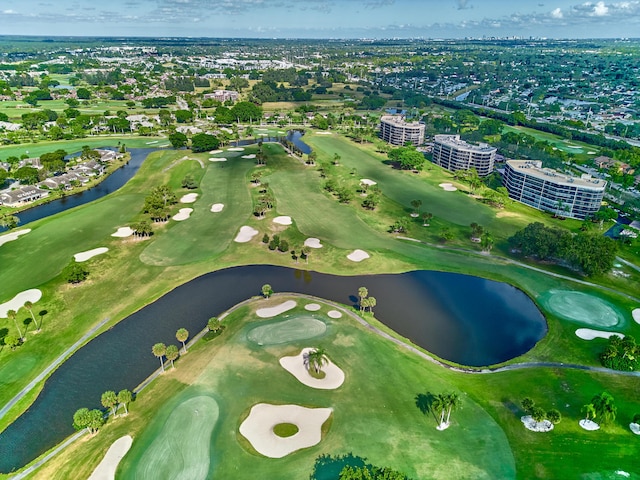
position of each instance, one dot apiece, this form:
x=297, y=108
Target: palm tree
x=604, y=407
x=124, y=397
x=416, y=206
x=12, y=315
x=267, y=291
x=486, y=242
x=213, y=323
x=336, y=159
x=172, y=353
x=317, y=358
x=29, y=306
x=181, y=335
x=109, y=400
x=362, y=293
x=439, y=403
x=371, y=303
x=306, y=251
x=589, y=411
x=453, y=402
x=426, y=217
x=159, y=350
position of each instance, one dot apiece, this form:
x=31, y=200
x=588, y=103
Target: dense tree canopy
x=408, y=158
x=203, y=142
x=591, y=253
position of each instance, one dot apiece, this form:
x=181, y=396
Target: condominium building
x=547, y=189
x=452, y=153
x=394, y=130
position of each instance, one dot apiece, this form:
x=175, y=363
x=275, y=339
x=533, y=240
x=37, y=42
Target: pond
x=465, y=319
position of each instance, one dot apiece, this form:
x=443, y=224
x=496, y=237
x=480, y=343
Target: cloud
x=557, y=13
x=600, y=10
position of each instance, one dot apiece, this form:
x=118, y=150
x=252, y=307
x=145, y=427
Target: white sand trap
x=283, y=220
x=189, y=198
x=10, y=237
x=366, y=181
x=312, y=243
x=589, y=425
x=245, y=234
x=323, y=133
x=636, y=315
x=281, y=132
x=182, y=214
x=358, y=255
x=217, y=207
x=334, y=314
x=235, y=149
x=84, y=256
x=590, y=334
x=251, y=155
x=531, y=424
x=295, y=365
x=448, y=187
x=258, y=428
x=17, y=302
x=123, y=232
x=312, y=307
x=225, y=129
x=217, y=159
x=269, y=312
x=591, y=153
x=106, y=470
x=215, y=152
x=635, y=428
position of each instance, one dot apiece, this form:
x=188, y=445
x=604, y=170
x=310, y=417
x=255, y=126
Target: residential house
x=22, y=195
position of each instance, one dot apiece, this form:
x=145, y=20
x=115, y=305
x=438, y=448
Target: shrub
x=75, y=272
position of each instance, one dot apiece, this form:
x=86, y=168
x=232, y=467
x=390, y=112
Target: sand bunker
x=269, y=312
x=590, y=334
x=123, y=232
x=84, y=256
x=323, y=133
x=217, y=159
x=366, y=181
x=589, y=425
x=258, y=428
x=182, y=214
x=10, y=237
x=283, y=220
x=334, y=314
x=17, y=302
x=358, y=255
x=245, y=234
x=448, y=187
x=217, y=207
x=581, y=307
x=235, y=149
x=636, y=315
x=293, y=329
x=106, y=470
x=531, y=424
x=189, y=198
x=312, y=307
x=312, y=243
x=296, y=366
x=252, y=155
x=635, y=428
x=215, y=152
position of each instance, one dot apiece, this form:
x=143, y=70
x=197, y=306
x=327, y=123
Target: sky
x=323, y=18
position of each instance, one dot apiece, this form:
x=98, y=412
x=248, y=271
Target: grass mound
x=285, y=430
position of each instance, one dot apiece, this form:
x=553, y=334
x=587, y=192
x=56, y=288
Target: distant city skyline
x=324, y=18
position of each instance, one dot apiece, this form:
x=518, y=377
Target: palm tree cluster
x=316, y=358
x=601, y=410
x=539, y=414
x=621, y=353
x=442, y=405
x=365, y=300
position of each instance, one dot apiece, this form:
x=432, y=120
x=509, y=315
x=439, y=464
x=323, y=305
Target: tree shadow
x=27, y=322
x=328, y=467
x=42, y=314
x=354, y=300
x=424, y=402
x=3, y=333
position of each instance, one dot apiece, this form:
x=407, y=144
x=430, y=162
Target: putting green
x=180, y=449
x=582, y=308
x=283, y=331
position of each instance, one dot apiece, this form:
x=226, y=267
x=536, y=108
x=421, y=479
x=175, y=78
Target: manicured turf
x=177, y=446
x=582, y=308
x=377, y=400
x=299, y=328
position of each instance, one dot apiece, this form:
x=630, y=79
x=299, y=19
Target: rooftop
x=456, y=141
x=534, y=168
